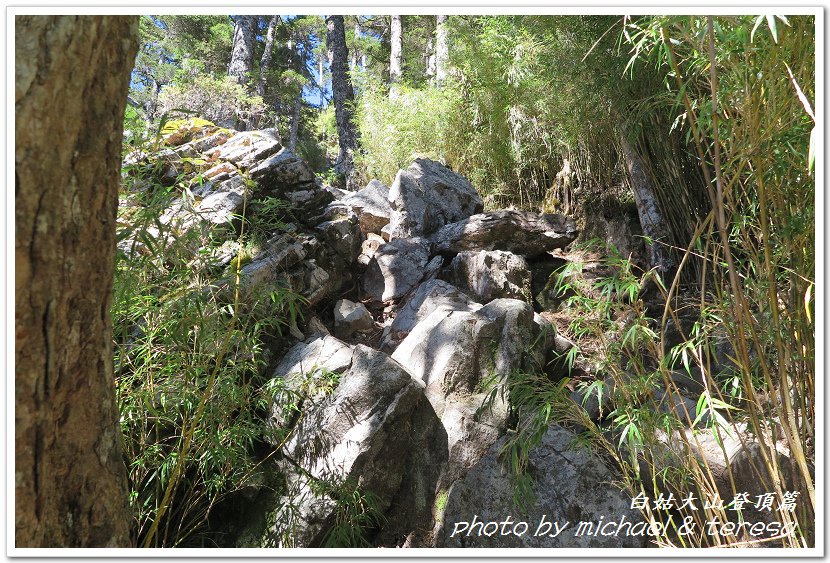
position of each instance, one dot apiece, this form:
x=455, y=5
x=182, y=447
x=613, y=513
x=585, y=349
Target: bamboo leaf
x=772, y=27
x=758, y=21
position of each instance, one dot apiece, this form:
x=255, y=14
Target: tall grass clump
x=189, y=360
x=394, y=131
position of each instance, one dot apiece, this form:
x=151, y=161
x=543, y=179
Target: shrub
x=220, y=100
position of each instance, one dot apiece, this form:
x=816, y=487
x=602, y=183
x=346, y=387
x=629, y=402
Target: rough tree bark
x=429, y=57
x=396, y=55
x=442, y=50
x=343, y=95
x=71, y=79
x=355, y=55
x=652, y=219
x=267, y=55
x=295, y=122
x=242, y=52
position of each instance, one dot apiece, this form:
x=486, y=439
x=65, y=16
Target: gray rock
x=221, y=207
x=318, y=283
x=681, y=406
x=570, y=486
x=308, y=204
x=462, y=356
x=207, y=143
x=361, y=433
x=395, y=269
x=304, y=372
x=350, y=317
x=343, y=239
x=280, y=255
x=735, y=450
x=429, y=296
x=596, y=400
x=369, y=247
x=283, y=172
x=521, y=344
x=372, y=206
x=249, y=147
x=521, y=232
x=489, y=275
x=433, y=268
x=219, y=172
x=450, y=351
x=428, y=195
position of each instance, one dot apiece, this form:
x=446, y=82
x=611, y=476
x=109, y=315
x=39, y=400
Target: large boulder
x=248, y=148
x=428, y=195
x=282, y=171
x=467, y=349
x=224, y=202
x=450, y=351
x=306, y=372
x=342, y=239
x=372, y=206
x=490, y=274
x=360, y=437
x=570, y=487
x=462, y=356
x=395, y=269
x=279, y=255
x=292, y=261
x=428, y=297
x=521, y=232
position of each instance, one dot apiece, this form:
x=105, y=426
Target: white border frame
x=485, y=7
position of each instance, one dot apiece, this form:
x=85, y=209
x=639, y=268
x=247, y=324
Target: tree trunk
x=652, y=220
x=267, y=55
x=71, y=79
x=321, y=83
x=442, y=50
x=295, y=121
x=242, y=53
x=429, y=56
x=396, y=55
x=355, y=56
x=343, y=95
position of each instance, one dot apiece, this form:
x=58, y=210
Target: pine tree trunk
x=71, y=79
x=321, y=83
x=242, y=53
x=429, y=56
x=652, y=220
x=442, y=50
x=295, y=122
x=396, y=55
x=355, y=55
x=267, y=55
x=343, y=95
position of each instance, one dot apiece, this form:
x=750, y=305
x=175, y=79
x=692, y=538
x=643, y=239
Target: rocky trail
x=419, y=305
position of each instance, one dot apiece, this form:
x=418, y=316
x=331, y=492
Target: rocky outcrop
x=571, y=487
x=403, y=433
x=350, y=317
x=428, y=195
x=489, y=275
x=371, y=205
x=357, y=437
x=520, y=232
x=428, y=297
x=395, y=269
